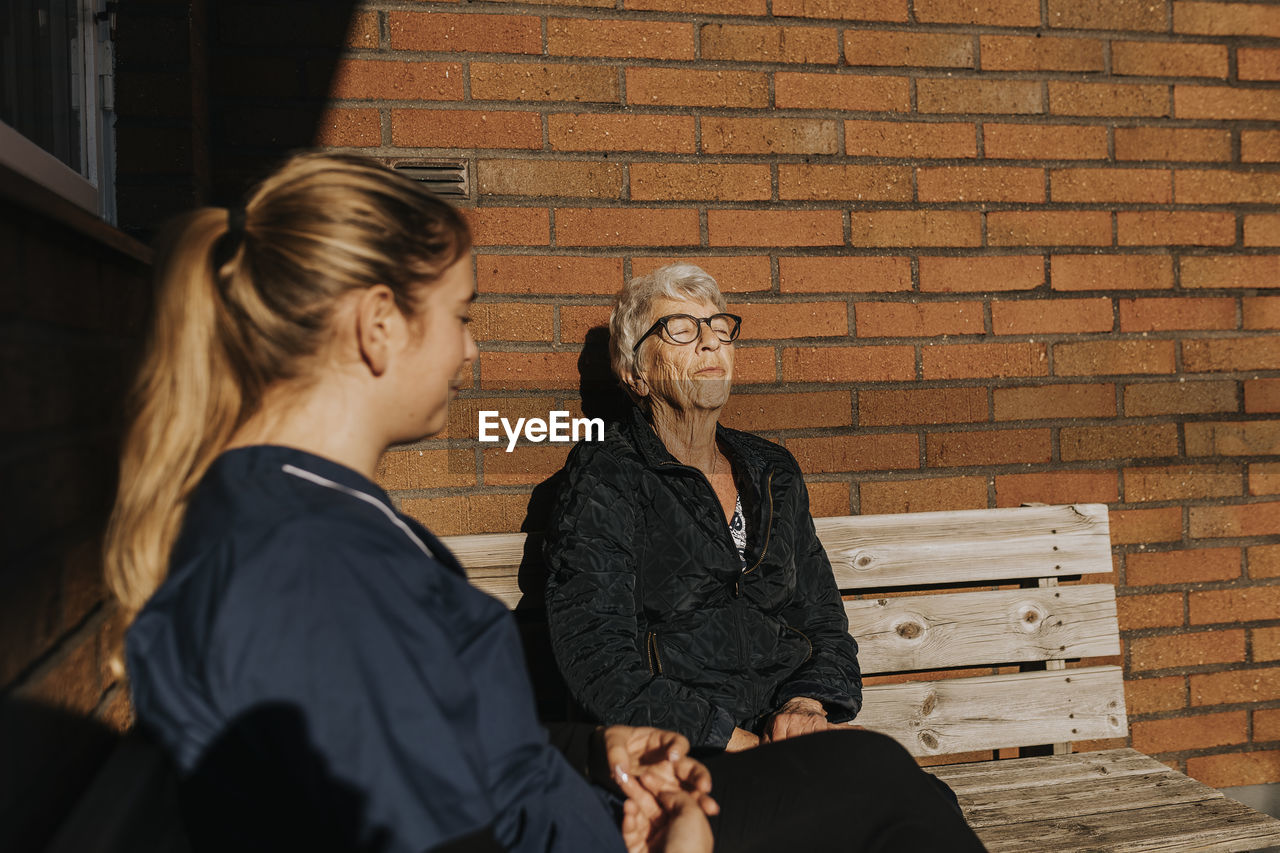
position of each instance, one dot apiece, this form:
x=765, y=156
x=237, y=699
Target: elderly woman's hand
x=799, y=716
x=647, y=763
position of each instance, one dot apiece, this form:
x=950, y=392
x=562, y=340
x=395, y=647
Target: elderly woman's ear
x=637, y=384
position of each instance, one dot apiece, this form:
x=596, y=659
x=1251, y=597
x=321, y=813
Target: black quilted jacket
x=653, y=619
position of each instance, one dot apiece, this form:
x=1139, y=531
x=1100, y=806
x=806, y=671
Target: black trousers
x=835, y=791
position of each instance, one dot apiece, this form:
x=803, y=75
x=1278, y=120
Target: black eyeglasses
x=685, y=328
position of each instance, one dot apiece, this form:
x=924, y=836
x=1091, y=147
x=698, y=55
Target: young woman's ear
x=377, y=321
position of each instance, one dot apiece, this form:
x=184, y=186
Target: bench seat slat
x=984, y=777
x=981, y=628
x=993, y=711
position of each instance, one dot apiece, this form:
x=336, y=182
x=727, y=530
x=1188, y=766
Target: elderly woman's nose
x=707, y=337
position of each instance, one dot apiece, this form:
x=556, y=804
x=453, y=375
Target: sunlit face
x=689, y=376
x=439, y=349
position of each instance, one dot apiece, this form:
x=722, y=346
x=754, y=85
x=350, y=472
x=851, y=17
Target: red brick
x=922, y=406
x=1190, y=732
x=1181, y=483
x=452, y=516
x=1227, y=19
x=935, y=494
x=1163, y=610
x=1235, y=768
x=1264, y=561
x=441, y=31
x=1219, y=186
x=534, y=274
x=626, y=226
x=1111, y=272
x=976, y=275
x=984, y=361
x=846, y=92
x=914, y=139
x=1057, y=487
x=1161, y=59
x=1231, y=354
x=1146, y=186
x=988, y=447
x=979, y=183
x=1104, y=358
x=763, y=227
x=371, y=79
x=793, y=320
x=1144, y=526
x=1266, y=722
x=687, y=181
x=1231, y=271
x=1235, y=605
x=697, y=88
x=844, y=275
x=1049, y=228
x=856, y=183
x=1179, y=398
x=426, y=469
x=733, y=42
x=913, y=319
x=510, y=226
x=1175, y=228
x=848, y=364
x=896, y=47
x=465, y=129
x=510, y=321
x=1261, y=312
x=1225, y=102
x=734, y=274
x=696, y=7
x=1055, y=401
x=1152, y=695
x=1257, y=519
x=1000, y=13
x=1264, y=478
x=1262, y=229
x=1247, y=438
x=1186, y=312
x=349, y=128
x=762, y=412
x=1051, y=316
x=1189, y=649
x=769, y=136
x=1260, y=146
x=526, y=465
x=1044, y=142
x=576, y=321
x=1203, y=565
x=1108, y=99
x=622, y=39
x=911, y=228
x=508, y=371
x=946, y=95
x=1161, y=143
x=857, y=452
x=1262, y=395
x=1257, y=63
x=521, y=82
x=754, y=365
x=829, y=499
x=464, y=416
x=364, y=30
x=1137, y=441
x=585, y=179
x=871, y=10
x=587, y=132
x=1107, y=14
x=1038, y=53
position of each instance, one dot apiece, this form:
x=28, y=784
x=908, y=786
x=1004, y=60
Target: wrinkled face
x=689, y=376
x=439, y=349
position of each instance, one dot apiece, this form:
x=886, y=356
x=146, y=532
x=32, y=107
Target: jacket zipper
x=651, y=650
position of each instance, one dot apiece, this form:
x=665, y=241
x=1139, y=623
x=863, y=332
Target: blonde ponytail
x=225, y=328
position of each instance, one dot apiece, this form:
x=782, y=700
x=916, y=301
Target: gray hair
x=631, y=307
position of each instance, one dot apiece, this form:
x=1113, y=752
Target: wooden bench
x=970, y=643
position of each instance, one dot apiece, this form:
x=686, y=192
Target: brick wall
x=988, y=252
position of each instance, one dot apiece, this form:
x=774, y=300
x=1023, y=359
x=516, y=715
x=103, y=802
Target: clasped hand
x=668, y=793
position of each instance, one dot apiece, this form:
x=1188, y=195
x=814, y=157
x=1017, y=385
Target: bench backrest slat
x=981, y=628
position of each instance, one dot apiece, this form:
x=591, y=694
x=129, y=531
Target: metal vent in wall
x=445, y=178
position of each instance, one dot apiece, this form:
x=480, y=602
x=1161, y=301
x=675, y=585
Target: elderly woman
x=688, y=589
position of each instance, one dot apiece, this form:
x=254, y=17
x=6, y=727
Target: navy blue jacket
x=319, y=668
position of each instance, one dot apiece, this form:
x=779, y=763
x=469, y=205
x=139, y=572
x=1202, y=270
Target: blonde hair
x=241, y=305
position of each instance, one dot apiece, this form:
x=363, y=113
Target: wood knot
x=930, y=702
x=929, y=740
x=909, y=630
x=863, y=560
x=1031, y=617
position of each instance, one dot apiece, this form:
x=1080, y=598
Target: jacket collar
x=644, y=438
